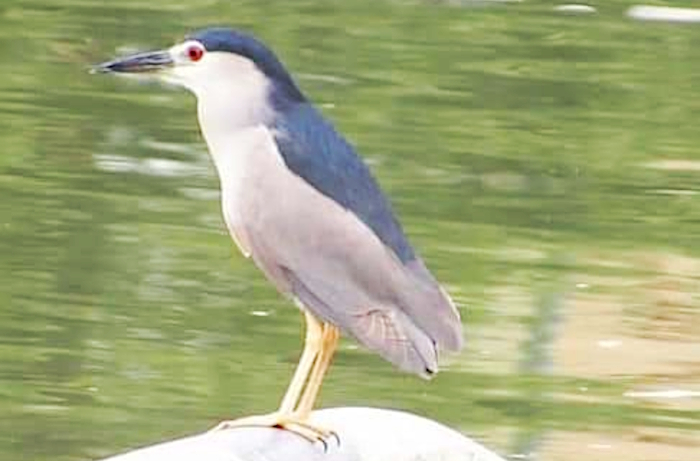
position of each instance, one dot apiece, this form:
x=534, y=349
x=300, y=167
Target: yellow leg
x=329, y=343
x=312, y=348
x=319, y=345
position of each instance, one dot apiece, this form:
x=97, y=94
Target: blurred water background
x=545, y=164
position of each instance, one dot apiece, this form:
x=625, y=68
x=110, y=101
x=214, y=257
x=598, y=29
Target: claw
x=325, y=445
x=291, y=423
x=335, y=435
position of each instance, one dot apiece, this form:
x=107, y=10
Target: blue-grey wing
x=315, y=151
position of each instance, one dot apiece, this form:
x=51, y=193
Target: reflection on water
x=544, y=164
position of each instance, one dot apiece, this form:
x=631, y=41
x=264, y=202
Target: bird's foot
x=289, y=422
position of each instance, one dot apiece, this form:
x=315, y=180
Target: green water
x=545, y=165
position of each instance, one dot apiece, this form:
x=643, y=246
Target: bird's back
x=314, y=150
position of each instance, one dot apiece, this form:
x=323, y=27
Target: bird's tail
x=411, y=336
x=431, y=308
x=396, y=338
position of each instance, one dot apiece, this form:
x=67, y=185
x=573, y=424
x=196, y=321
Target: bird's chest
x=248, y=164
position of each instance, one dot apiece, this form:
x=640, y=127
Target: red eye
x=195, y=53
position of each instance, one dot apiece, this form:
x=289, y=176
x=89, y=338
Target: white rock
x=365, y=434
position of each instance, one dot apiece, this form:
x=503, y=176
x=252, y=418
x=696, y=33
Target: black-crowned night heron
x=299, y=201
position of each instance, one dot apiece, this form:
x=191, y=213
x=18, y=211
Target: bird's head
x=217, y=64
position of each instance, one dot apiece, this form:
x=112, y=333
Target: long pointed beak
x=151, y=61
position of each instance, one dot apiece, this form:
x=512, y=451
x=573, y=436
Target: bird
x=300, y=202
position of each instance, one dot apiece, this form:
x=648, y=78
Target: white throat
x=232, y=98
x=234, y=109
x=232, y=94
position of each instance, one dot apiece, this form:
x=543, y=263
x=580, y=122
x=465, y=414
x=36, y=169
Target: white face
x=230, y=89
x=196, y=69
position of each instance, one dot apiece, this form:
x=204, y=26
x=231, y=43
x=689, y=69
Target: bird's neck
x=225, y=121
x=230, y=119
x=231, y=109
